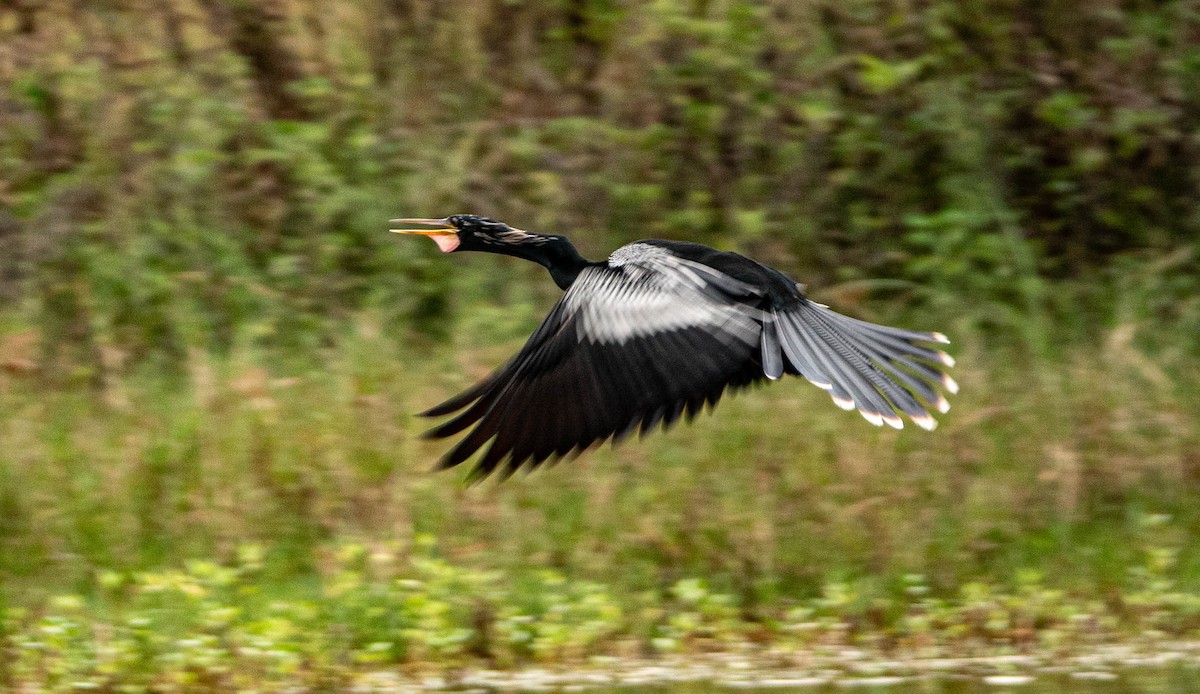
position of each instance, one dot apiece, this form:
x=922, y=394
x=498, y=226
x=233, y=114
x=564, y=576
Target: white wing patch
x=647, y=290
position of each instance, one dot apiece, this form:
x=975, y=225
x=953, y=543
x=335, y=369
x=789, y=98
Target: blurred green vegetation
x=207, y=172
x=208, y=342
x=235, y=525
x=206, y=627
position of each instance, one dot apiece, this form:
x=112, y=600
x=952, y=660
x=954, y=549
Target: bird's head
x=468, y=232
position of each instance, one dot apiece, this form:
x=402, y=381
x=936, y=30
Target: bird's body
x=655, y=332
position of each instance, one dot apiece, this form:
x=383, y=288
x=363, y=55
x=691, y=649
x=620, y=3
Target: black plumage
x=656, y=332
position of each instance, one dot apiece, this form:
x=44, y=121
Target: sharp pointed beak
x=443, y=223
x=446, y=236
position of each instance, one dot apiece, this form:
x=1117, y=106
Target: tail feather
x=887, y=337
x=883, y=353
x=873, y=368
x=798, y=353
x=772, y=360
x=897, y=398
x=879, y=367
x=900, y=333
x=846, y=385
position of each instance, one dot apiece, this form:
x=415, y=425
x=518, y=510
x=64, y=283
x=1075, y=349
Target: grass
x=255, y=517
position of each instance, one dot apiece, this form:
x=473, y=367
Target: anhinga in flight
x=658, y=330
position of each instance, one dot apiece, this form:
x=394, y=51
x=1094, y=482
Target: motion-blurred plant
x=226, y=178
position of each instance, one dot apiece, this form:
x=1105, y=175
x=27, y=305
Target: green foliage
x=1042, y=471
x=209, y=626
x=980, y=150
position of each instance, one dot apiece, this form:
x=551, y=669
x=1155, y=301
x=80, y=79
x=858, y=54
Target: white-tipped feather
x=875, y=367
x=925, y=422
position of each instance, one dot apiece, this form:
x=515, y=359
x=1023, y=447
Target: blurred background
x=211, y=349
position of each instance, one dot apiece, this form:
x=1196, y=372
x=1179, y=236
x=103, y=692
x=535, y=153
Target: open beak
x=446, y=236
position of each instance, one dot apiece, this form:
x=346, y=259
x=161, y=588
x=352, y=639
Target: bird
x=656, y=332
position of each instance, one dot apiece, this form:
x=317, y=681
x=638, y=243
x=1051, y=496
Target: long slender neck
x=556, y=254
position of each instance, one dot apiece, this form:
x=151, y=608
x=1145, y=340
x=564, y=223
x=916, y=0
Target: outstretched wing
x=632, y=344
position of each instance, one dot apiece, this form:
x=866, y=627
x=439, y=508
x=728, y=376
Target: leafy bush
x=168, y=197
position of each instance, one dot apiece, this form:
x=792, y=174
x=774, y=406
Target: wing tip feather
x=437, y=411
